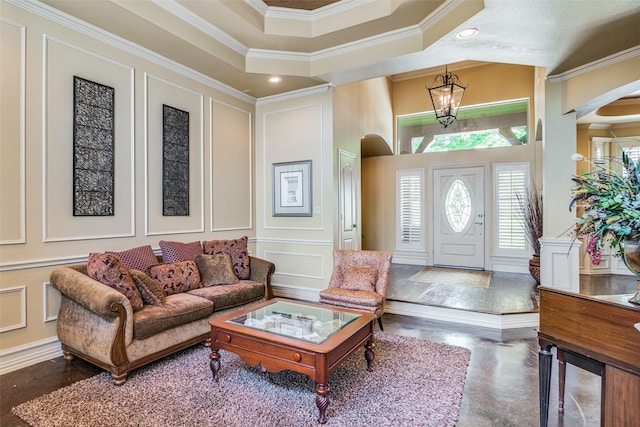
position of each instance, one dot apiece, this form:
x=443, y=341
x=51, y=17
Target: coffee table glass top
x=308, y=323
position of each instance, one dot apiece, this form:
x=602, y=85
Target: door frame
x=356, y=202
x=488, y=208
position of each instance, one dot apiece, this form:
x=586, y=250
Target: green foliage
x=611, y=203
x=471, y=140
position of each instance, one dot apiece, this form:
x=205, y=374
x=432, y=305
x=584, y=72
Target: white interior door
x=347, y=202
x=459, y=220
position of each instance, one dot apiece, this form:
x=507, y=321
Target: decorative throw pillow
x=140, y=258
x=360, y=278
x=107, y=269
x=178, y=251
x=216, y=270
x=148, y=288
x=176, y=277
x=237, y=249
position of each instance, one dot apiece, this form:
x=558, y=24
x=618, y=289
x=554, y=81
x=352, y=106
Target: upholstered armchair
x=359, y=281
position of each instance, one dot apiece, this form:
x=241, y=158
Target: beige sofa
x=98, y=324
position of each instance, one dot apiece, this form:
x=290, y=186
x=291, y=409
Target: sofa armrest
x=89, y=293
x=261, y=271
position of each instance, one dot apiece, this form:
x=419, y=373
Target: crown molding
x=206, y=27
x=595, y=65
x=293, y=95
x=68, y=21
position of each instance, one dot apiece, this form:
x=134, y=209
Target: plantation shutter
x=410, y=224
x=510, y=181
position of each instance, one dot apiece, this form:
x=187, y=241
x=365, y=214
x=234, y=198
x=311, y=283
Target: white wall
x=289, y=128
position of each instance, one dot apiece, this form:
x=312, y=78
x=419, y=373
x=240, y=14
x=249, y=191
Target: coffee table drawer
x=239, y=344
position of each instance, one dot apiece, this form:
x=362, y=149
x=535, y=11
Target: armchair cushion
x=107, y=269
x=176, y=277
x=360, y=278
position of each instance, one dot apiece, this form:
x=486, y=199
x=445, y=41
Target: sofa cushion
x=140, y=258
x=107, y=269
x=178, y=309
x=178, y=251
x=216, y=270
x=148, y=288
x=228, y=296
x=237, y=249
x=176, y=277
x=360, y=278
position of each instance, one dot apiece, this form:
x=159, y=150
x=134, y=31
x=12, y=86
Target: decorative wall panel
x=231, y=205
x=93, y=148
x=174, y=179
x=92, y=135
x=13, y=308
x=12, y=132
x=51, y=299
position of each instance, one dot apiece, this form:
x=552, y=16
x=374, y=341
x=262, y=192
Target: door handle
x=478, y=223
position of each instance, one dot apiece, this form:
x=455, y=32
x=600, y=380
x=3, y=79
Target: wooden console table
x=598, y=332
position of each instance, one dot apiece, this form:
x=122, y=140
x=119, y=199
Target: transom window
x=500, y=124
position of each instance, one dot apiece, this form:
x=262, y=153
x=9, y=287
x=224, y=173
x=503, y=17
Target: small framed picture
x=292, y=189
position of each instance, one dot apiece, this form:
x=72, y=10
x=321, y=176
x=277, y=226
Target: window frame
x=498, y=168
x=420, y=243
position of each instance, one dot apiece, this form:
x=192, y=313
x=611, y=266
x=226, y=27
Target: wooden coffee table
x=280, y=334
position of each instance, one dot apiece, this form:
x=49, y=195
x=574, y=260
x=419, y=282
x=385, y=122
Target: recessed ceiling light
x=275, y=79
x=468, y=33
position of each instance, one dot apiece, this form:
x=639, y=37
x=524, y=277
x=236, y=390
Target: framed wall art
x=292, y=189
x=93, y=148
x=175, y=161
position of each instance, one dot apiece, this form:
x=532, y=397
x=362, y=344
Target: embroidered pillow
x=178, y=251
x=149, y=290
x=107, y=269
x=176, y=277
x=140, y=258
x=237, y=249
x=360, y=278
x=216, y=270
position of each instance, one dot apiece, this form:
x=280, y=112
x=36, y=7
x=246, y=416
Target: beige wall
x=488, y=83
x=39, y=59
x=359, y=109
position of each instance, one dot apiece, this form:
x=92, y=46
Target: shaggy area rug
x=414, y=383
x=452, y=276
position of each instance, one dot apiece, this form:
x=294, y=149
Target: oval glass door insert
x=458, y=206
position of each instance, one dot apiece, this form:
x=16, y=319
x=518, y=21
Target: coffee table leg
x=214, y=363
x=369, y=355
x=322, y=401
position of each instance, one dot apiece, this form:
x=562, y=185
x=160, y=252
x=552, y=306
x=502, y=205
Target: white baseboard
x=485, y=320
x=295, y=292
x=29, y=354
x=494, y=321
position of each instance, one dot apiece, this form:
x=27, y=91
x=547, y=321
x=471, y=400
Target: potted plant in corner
x=531, y=212
x=611, y=204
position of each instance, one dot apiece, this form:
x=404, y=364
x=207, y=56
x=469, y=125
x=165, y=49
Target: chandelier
x=446, y=96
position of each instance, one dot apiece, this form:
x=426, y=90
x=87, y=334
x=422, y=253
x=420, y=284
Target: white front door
x=347, y=202
x=458, y=217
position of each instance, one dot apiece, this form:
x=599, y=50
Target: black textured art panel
x=93, y=148
x=175, y=162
